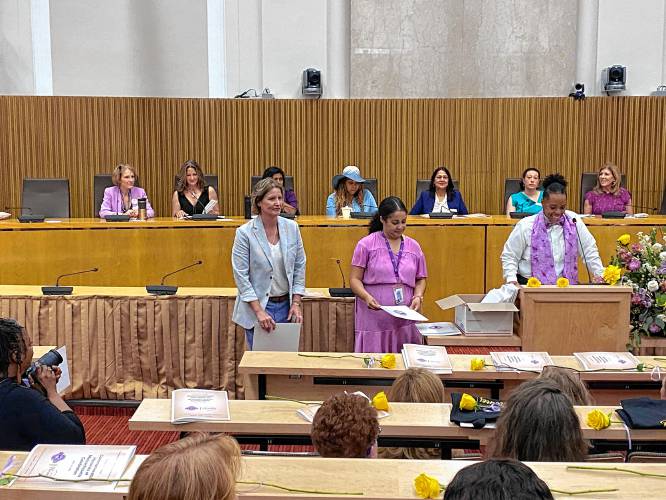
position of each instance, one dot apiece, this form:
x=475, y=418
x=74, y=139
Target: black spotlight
x=579, y=92
x=614, y=78
x=312, y=83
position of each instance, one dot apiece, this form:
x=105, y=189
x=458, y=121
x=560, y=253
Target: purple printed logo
x=58, y=457
x=191, y=408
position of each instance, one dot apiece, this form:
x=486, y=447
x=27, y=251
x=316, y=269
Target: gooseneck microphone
x=582, y=249
x=344, y=283
x=64, y=290
x=344, y=291
x=163, y=289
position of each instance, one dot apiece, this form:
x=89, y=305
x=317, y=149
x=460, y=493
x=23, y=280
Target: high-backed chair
x=511, y=186
x=288, y=182
x=100, y=183
x=424, y=185
x=47, y=197
x=587, y=182
x=662, y=210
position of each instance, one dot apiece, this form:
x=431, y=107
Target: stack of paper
x=199, y=405
x=404, y=312
x=433, y=358
x=443, y=328
x=522, y=361
x=607, y=360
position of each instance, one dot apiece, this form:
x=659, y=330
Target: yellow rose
x=380, y=401
x=533, y=283
x=388, y=361
x=467, y=402
x=598, y=420
x=624, y=239
x=562, y=282
x=478, y=364
x=611, y=274
x=427, y=486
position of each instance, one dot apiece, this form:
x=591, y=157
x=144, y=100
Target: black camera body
x=579, y=92
x=51, y=358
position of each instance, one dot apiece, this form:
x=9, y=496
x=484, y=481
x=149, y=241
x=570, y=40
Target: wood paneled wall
x=482, y=141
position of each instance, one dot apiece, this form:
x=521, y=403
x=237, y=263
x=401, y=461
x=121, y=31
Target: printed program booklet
x=442, y=328
x=607, y=360
x=525, y=361
x=431, y=357
x=199, y=405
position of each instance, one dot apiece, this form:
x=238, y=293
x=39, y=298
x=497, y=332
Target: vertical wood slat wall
x=482, y=141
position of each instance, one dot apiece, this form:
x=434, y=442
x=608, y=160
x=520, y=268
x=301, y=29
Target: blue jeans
x=276, y=310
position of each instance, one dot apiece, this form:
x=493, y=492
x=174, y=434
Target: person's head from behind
x=345, y=426
x=198, y=467
x=441, y=181
x=608, y=179
x=15, y=349
x=530, y=178
x=417, y=385
x=124, y=176
x=391, y=217
x=569, y=382
x=497, y=479
x=275, y=173
x=554, y=198
x=190, y=176
x=539, y=424
x=267, y=197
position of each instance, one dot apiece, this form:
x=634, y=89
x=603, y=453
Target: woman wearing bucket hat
x=349, y=192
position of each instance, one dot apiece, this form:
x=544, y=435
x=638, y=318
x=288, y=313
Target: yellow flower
x=533, y=283
x=598, y=420
x=611, y=274
x=478, y=364
x=624, y=239
x=467, y=402
x=380, y=401
x=388, y=361
x=562, y=282
x=427, y=486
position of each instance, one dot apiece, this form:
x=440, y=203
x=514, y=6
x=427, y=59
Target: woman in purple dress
x=388, y=268
x=607, y=195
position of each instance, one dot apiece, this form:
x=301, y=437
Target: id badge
x=398, y=294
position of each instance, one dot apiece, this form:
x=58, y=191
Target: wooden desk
x=311, y=378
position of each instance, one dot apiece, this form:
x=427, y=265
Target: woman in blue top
x=441, y=196
x=349, y=192
x=528, y=199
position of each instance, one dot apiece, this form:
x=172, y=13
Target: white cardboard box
x=473, y=317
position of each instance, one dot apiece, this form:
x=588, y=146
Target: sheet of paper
x=285, y=337
x=404, y=312
x=442, y=328
x=198, y=405
x=527, y=361
x=434, y=358
x=64, y=382
x=607, y=360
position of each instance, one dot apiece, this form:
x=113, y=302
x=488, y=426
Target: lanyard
x=394, y=261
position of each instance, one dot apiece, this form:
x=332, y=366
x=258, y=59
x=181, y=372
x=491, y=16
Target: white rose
x=662, y=256
x=661, y=317
x=652, y=285
x=657, y=247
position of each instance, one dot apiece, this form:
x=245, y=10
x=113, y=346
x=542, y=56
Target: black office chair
x=47, y=197
x=209, y=180
x=424, y=185
x=371, y=185
x=587, y=182
x=511, y=186
x=662, y=210
x=288, y=182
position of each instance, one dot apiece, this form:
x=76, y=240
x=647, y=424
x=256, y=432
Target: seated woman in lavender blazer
x=441, y=196
x=121, y=198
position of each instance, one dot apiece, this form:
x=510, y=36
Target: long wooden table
x=307, y=377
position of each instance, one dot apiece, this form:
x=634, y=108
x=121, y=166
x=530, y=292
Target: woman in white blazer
x=268, y=261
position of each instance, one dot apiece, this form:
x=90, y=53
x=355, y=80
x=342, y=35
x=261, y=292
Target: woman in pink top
x=388, y=268
x=607, y=195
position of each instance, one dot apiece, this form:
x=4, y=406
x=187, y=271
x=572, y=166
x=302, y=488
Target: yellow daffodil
x=562, y=282
x=380, y=401
x=533, y=283
x=624, y=239
x=611, y=274
x=427, y=486
x=467, y=402
x=598, y=420
x=477, y=364
x=388, y=361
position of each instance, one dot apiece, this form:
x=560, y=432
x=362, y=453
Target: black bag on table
x=643, y=413
x=487, y=411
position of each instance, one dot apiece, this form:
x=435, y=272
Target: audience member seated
x=192, y=195
x=497, y=479
x=349, y=192
x=27, y=417
x=346, y=426
x=539, y=424
x=415, y=385
x=289, y=202
x=608, y=195
x=569, y=382
x=198, y=467
x=123, y=196
x=528, y=199
x=441, y=196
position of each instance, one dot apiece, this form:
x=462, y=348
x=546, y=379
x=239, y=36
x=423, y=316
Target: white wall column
x=40, y=25
x=338, y=37
x=217, y=74
x=586, y=45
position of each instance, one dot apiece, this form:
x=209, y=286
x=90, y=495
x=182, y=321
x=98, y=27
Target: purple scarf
x=543, y=264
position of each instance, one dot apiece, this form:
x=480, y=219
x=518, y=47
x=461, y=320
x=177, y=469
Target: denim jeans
x=276, y=310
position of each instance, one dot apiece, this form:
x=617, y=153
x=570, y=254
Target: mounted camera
x=614, y=78
x=579, y=92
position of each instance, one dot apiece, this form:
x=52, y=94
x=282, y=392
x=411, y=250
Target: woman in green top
x=528, y=199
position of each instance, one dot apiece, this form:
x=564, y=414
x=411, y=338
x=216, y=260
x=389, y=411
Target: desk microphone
x=579, y=242
x=344, y=291
x=27, y=218
x=163, y=289
x=64, y=290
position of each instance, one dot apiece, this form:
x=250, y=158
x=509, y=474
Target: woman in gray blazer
x=268, y=261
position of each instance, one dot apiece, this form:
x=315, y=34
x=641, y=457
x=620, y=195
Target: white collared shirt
x=442, y=206
x=517, y=253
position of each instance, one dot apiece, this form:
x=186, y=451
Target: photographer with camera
x=27, y=417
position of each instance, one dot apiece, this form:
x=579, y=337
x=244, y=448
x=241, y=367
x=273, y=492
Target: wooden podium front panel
x=562, y=321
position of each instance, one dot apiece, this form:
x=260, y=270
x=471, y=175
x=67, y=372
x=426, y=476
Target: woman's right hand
x=372, y=303
x=180, y=214
x=265, y=321
x=48, y=378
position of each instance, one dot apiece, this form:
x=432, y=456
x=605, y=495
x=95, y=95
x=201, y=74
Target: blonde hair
x=181, y=182
x=120, y=170
x=341, y=195
x=261, y=189
x=198, y=467
x=615, y=187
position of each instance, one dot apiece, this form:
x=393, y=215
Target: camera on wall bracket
x=579, y=92
x=614, y=78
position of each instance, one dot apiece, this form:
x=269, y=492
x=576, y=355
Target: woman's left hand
x=295, y=313
x=416, y=303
